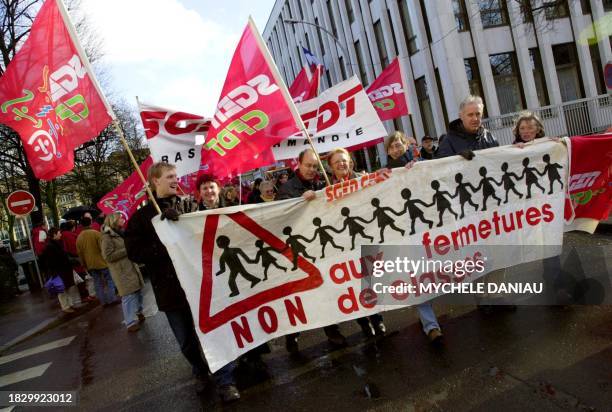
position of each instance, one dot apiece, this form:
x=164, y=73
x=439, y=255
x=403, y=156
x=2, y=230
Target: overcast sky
x=172, y=53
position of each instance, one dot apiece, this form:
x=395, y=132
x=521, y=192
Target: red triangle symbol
x=208, y=322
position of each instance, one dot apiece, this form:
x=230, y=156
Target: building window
x=307, y=42
x=442, y=99
x=607, y=5
x=585, y=5
x=331, y=18
x=461, y=15
x=409, y=34
x=362, y=73
x=425, y=106
x=289, y=10
x=349, y=10
x=538, y=76
x=329, y=80
x=342, y=68
x=380, y=44
x=493, y=13
x=568, y=71
x=597, y=67
x=474, y=80
x=319, y=37
x=507, y=82
x=526, y=11
x=555, y=9
x=425, y=20
x=299, y=3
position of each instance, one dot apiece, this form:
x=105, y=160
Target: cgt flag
x=126, y=197
x=172, y=136
x=387, y=93
x=49, y=95
x=306, y=84
x=255, y=111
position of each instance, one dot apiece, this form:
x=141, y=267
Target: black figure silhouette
x=324, y=236
x=530, y=177
x=266, y=258
x=441, y=202
x=487, y=188
x=383, y=219
x=508, y=182
x=551, y=171
x=230, y=256
x=413, y=210
x=464, y=194
x=354, y=227
x=297, y=248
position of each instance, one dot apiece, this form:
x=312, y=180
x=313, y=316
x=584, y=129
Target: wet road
x=537, y=358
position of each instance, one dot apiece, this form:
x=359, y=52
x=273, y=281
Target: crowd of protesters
x=111, y=253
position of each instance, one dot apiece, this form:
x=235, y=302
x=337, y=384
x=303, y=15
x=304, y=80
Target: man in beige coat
x=125, y=273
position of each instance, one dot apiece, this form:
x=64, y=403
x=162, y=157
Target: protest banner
x=171, y=136
x=253, y=273
x=341, y=116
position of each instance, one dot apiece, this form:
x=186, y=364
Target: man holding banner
x=143, y=246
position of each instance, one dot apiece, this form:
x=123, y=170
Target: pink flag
x=255, y=111
x=49, y=96
x=126, y=197
x=387, y=93
x=306, y=84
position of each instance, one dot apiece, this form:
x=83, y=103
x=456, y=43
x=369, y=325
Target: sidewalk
x=29, y=313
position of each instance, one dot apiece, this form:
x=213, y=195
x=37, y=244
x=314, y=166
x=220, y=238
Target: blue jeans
x=428, y=317
x=183, y=328
x=132, y=306
x=101, y=277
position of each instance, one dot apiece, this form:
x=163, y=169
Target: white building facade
x=547, y=56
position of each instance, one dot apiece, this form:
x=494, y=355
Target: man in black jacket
x=467, y=134
x=305, y=183
x=144, y=246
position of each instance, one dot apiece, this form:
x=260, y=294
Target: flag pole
x=75, y=40
x=285, y=92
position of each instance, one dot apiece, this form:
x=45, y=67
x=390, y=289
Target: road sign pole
x=33, y=252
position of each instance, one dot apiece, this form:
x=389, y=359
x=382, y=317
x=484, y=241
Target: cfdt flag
x=126, y=197
x=387, y=93
x=49, y=95
x=172, y=136
x=306, y=84
x=254, y=112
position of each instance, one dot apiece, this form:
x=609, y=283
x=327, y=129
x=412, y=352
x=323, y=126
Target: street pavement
x=536, y=358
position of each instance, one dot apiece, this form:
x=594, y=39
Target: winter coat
x=144, y=247
x=295, y=187
x=88, y=246
x=458, y=140
x=124, y=272
x=401, y=161
x=57, y=262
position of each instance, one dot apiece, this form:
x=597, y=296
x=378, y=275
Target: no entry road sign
x=20, y=203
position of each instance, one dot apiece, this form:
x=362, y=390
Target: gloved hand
x=170, y=214
x=467, y=154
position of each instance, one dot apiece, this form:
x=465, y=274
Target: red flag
x=306, y=84
x=590, y=181
x=387, y=93
x=49, y=96
x=126, y=197
x=255, y=111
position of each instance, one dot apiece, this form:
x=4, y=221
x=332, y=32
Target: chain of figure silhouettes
x=384, y=220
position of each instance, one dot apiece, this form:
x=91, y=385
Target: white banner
x=341, y=116
x=253, y=273
x=172, y=136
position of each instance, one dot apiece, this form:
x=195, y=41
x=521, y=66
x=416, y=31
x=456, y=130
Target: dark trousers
x=373, y=319
x=330, y=330
x=183, y=328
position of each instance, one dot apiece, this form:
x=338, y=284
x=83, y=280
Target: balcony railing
x=578, y=117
